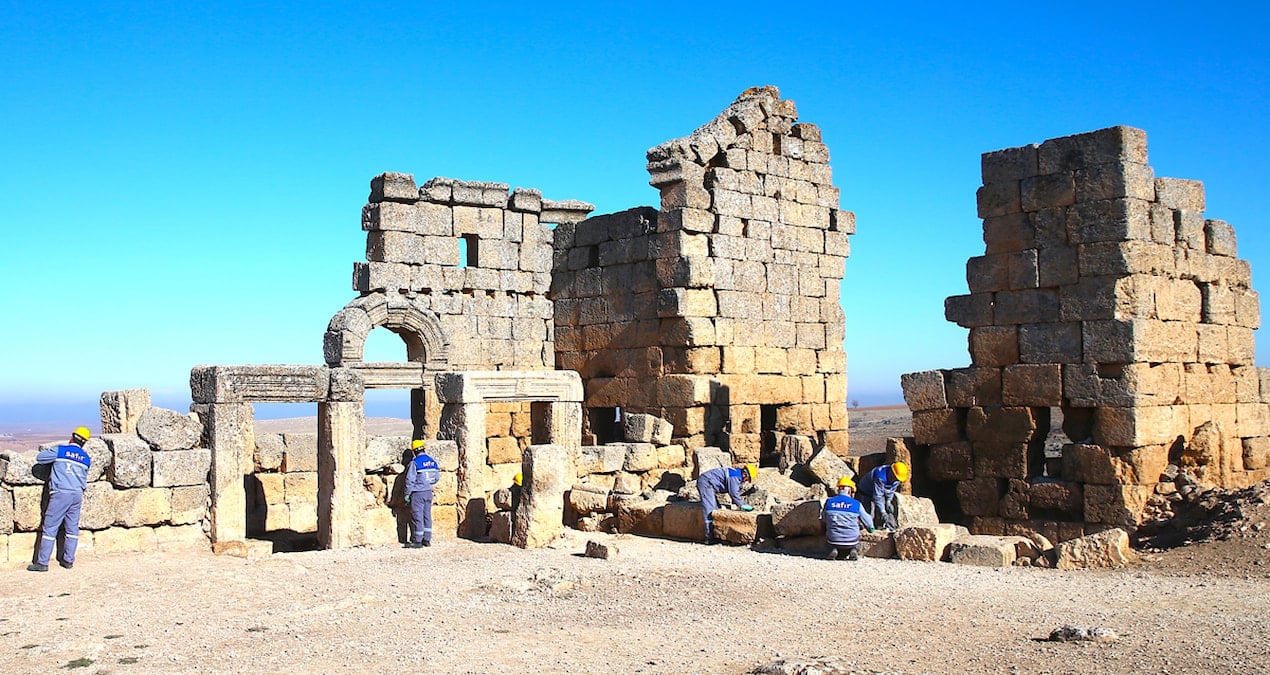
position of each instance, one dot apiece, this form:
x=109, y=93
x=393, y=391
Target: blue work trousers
x=420, y=517
x=63, y=509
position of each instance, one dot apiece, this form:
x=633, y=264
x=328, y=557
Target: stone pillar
x=464, y=423
x=559, y=423
x=547, y=474
x=341, y=437
x=229, y=435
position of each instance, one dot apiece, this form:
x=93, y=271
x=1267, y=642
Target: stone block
x=924, y=390
x=1219, y=238
x=446, y=453
x=950, y=461
x=795, y=519
x=503, y=450
x=1000, y=460
x=143, y=506
x=384, y=451
x=974, y=386
x=827, y=467
x=983, y=550
x=169, y=430
x=932, y=427
x=916, y=511
x=640, y=457
x=736, y=527
x=393, y=186
x=269, y=451
x=1056, y=496
x=181, y=467
x=1040, y=192
x=794, y=450
x=683, y=520
x=1109, y=548
x=6, y=511
x=98, y=510
x=125, y=540
x=671, y=456
x=189, y=504
x=638, y=515
x=969, y=311
x=304, y=517
x=880, y=544
x=994, y=345
x=1036, y=385
x=639, y=428
x=27, y=507
x=300, y=453
x=924, y=542
x=300, y=487
x=1049, y=343
x=980, y=496
x=999, y=424
x=19, y=468
x=1256, y=453
x=272, y=488
x=585, y=499
x=601, y=550
x=131, y=460
x=1120, y=505
x=184, y=537
x=547, y=473
x=120, y=410
x=706, y=458
x=500, y=527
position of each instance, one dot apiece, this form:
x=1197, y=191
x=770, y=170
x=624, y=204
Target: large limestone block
x=587, y=499
x=782, y=488
x=604, y=458
x=379, y=525
x=794, y=450
x=300, y=453
x=1089, y=463
x=983, y=550
x=547, y=473
x=1109, y=548
x=639, y=428
x=98, y=509
x=27, y=511
x=704, y=459
x=180, y=538
x=6, y=511
x=304, y=517
x=500, y=527
x=683, y=520
x=143, y=506
x=1116, y=504
x=99, y=456
x=300, y=488
x=120, y=410
x=736, y=527
x=189, y=504
x=167, y=429
x=640, y=457
x=798, y=519
x=879, y=544
x=132, y=460
x=924, y=542
x=182, y=467
x=269, y=452
x=671, y=456
x=383, y=451
x=916, y=511
x=502, y=450
x=19, y=468
x=924, y=390
x=273, y=489
x=827, y=468
x=446, y=491
x=125, y=539
x=638, y=515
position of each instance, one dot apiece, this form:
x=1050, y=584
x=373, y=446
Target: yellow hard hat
x=518, y=478
x=750, y=471
x=416, y=444
x=901, y=471
x=846, y=481
x=82, y=432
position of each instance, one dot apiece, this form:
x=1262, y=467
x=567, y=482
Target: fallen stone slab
x=595, y=549
x=925, y=542
x=736, y=527
x=1072, y=633
x=167, y=429
x=982, y=550
x=798, y=519
x=781, y=487
x=827, y=468
x=683, y=520
x=915, y=511
x=1109, y=548
x=879, y=544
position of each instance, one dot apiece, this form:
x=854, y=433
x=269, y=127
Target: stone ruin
x=613, y=358
x=1104, y=299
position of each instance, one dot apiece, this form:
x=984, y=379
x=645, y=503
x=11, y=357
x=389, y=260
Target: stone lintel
x=479, y=386
x=265, y=383
x=389, y=375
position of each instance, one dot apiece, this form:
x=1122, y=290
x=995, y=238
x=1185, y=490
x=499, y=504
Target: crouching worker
x=843, y=516
x=68, y=478
x=879, y=489
x=421, y=475
x=722, y=479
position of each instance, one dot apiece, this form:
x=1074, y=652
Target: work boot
x=426, y=542
x=411, y=544
x=37, y=567
x=65, y=565
x=833, y=554
x=712, y=541
x=853, y=555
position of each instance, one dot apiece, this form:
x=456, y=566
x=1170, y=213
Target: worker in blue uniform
x=722, y=479
x=68, y=478
x=843, y=517
x=879, y=489
x=421, y=475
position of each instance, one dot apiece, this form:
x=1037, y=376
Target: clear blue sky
x=182, y=185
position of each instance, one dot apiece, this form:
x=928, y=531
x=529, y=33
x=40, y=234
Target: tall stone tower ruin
x=1103, y=294
x=719, y=312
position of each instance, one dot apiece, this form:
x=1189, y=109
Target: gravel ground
x=658, y=607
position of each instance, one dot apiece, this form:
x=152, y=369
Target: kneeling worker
x=421, y=475
x=723, y=479
x=878, y=490
x=843, y=517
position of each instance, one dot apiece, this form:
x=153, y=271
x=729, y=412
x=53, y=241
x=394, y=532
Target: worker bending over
x=723, y=479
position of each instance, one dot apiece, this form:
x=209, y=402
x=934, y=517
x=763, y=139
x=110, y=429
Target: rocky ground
x=657, y=607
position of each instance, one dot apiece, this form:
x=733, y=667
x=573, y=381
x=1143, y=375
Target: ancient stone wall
x=720, y=312
x=476, y=256
x=1106, y=299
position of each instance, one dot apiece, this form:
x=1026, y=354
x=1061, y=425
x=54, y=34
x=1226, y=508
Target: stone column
x=547, y=474
x=229, y=434
x=559, y=423
x=464, y=423
x=341, y=437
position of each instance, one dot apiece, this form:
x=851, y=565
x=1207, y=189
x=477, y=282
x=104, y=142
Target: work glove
x=872, y=530
x=747, y=507
x=407, y=497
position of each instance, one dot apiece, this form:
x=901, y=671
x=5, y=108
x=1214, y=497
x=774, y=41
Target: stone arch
x=418, y=327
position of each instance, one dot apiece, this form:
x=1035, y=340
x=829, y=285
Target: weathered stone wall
x=720, y=312
x=147, y=488
x=1106, y=296
x=473, y=254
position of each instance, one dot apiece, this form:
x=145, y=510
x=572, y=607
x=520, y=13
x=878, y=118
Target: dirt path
x=659, y=607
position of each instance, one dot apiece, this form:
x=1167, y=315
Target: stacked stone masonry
x=1105, y=296
x=719, y=312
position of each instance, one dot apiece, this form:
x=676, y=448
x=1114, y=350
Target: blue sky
x=182, y=184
